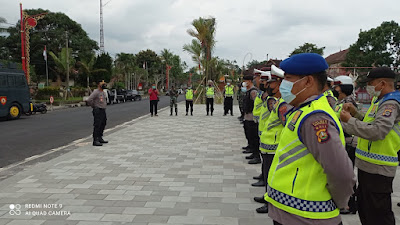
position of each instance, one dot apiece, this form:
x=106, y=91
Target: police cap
x=248, y=77
x=381, y=72
x=304, y=64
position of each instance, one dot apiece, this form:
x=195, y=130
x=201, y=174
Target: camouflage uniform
x=173, y=94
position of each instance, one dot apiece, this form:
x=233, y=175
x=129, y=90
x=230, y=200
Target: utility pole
x=67, y=56
x=101, y=28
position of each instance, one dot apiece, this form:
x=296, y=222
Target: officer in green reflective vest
x=329, y=93
x=311, y=176
x=378, y=143
x=228, y=100
x=189, y=100
x=210, y=98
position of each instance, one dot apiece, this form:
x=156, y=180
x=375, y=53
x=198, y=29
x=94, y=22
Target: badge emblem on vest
x=321, y=128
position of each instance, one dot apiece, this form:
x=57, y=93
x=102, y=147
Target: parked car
x=137, y=96
x=121, y=95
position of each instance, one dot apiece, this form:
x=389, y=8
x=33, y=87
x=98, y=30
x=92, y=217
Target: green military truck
x=14, y=93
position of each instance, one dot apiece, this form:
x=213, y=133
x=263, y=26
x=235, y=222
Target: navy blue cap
x=304, y=64
x=381, y=72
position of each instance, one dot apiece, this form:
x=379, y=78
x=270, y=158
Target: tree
x=64, y=63
x=195, y=50
x=378, y=46
x=2, y=20
x=308, y=48
x=150, y=61
x=204, y=31
x=50, y=31
x=103, y=61
x=86, y=68
x=125, y=64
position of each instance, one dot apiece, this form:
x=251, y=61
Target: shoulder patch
x=321, y=130
x=272, y=103
x=388, y=110
x=282, y=111
x=294, y=119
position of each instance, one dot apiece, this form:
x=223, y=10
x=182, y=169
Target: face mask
x=262, y=87
x=209, y=85
x=228, y=83
x=371, y=90
x=270, y=91
x=154, y=87
x=244, y=89
x=189, y=88
x=335, y=93
x=103, y=86
x=286, y=90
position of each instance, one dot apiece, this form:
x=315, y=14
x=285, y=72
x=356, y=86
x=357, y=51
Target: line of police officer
x=307, y=143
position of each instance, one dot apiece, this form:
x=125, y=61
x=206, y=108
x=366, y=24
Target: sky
x=263, y=28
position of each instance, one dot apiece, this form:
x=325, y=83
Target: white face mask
x=372, y=92
x=286, y=90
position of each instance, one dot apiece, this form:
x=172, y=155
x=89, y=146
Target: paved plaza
x=155, y=170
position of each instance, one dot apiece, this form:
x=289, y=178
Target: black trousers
x=153, y=106
x=210, y=105
x=276, y=223
x=189, y=103
x=100, y=121
x=251, y=132
x=374, y=199
x=228, y=105
x=265, y=166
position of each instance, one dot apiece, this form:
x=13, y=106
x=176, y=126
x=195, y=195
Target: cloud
x=258, y=26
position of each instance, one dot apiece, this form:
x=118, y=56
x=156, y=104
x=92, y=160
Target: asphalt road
x=33, y=135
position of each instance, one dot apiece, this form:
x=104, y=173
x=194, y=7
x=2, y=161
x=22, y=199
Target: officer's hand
x=349, y=107
x=345, y=116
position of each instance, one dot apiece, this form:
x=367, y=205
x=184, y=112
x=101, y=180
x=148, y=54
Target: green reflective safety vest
x=264, y=114
x=258, y=102
x=270, y=137
x=382, y=152
x=210, y=92
x=189, y=94
x=329, y=93
x=297, y=183
x=228, y=91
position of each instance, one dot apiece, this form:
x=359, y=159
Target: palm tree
x=195, y=50
x=167, y=59
x=204, y=31
x=125, y=66
x=86, y=65
x=61, y=63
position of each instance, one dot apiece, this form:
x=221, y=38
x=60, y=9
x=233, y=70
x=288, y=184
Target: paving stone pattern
x=159, y=170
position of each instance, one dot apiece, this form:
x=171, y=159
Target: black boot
x=96, y=142
x=171, y=112
x=101, y=140
x=245, y=148
x=255, y=161
x=250, y=156
x=263, y=209
x=248, y=151
x=260, y=183
x=260, y=199
x=259, y=177
x=186, y=113
x=176, y=111
x=191, y=113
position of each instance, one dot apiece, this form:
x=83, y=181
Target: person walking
x=228, y=100
x=189, y=100
x=153, y=93
x=97, y=100
x=210, y=92
x=173, y=95
x=311, y=176
x=378, y=134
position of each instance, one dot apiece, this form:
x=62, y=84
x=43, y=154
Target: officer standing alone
x=311, y=176
x=228, y=100
x=97, y=100
x=210, y=98
x=189, y=100
x=378, y=134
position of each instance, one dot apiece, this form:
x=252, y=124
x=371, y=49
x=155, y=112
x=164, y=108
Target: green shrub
x=46, y=92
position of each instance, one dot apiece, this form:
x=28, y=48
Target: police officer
x=343, y=91
x=250, y=126
x=173, y=95
x=228, y=100
x=240, y=95
x=329, y=93
x=97, y=100
x=271, y=133
x=376, y=153
x=210, y=97
x=189, y=100
x=311, y=176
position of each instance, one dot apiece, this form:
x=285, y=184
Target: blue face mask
x=154, y=87
x=286, y=90
x=244, y=89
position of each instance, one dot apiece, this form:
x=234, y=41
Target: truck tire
x=14, y=112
